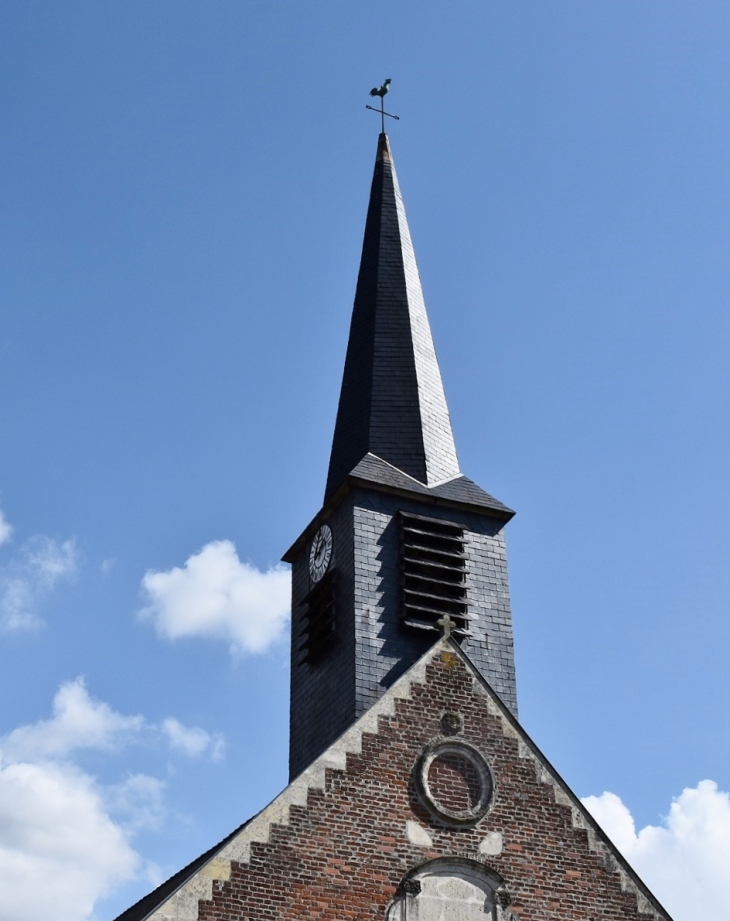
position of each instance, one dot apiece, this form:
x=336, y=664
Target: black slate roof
x=460, y=490
x=392, y=402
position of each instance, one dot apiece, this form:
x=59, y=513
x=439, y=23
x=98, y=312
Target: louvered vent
x=319, y=621
x=433, y=573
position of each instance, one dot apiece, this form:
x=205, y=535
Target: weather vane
x=381, y=92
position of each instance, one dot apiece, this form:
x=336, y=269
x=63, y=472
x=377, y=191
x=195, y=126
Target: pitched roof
x=459, y=490
x=392, y=402
x=342, y=834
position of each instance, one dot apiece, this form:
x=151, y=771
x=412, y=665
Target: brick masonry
x=372, y=649
x=338, y=843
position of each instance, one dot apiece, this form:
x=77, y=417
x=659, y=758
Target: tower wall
x=371, y=647
x=322, y=694
x=384, y=647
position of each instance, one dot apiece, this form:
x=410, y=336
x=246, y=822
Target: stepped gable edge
x=339, y=840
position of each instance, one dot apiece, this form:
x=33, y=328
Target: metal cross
x=383, y=113
x=447, y=624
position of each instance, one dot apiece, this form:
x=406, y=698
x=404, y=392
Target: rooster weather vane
x=381, y=92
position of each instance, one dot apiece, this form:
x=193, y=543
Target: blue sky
x=184, y=192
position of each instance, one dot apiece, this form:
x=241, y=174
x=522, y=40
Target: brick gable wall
x=339, y=848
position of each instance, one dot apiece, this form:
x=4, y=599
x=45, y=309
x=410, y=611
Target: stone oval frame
x=463, y=818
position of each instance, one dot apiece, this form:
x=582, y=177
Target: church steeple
x=392, y=402
x=403, y=751
x=403, y=538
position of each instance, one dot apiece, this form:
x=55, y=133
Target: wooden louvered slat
x=433, y=573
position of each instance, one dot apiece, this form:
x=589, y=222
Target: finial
x=447, y=624
x=382, y=91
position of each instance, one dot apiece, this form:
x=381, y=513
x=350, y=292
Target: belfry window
x=432, y=573
x=319, y=621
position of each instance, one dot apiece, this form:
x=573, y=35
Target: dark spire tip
x=383, y=147
x=392, y=403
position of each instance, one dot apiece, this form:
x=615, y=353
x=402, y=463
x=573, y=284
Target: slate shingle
x=392, y=402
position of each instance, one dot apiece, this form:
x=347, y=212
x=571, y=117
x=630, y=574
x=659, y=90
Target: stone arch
x=447, y=889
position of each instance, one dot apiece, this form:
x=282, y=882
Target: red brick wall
x=342, y=857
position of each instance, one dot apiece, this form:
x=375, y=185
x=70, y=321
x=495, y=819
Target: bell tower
x=403, y=537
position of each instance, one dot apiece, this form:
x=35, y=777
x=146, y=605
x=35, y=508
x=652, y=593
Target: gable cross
x=447, y=624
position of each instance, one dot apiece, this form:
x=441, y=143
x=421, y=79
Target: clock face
x=320, y=553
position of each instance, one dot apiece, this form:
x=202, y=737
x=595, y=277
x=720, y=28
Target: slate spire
x=392, y=401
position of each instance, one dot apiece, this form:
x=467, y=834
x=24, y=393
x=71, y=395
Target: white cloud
x=137, y=801
x=77, y=722
x=216, y=595
x=6, y=529
x=80, y=722
x=40, y=564
x=60, y=850
x=685, y=861
x=59, y=825
x=192, y=741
